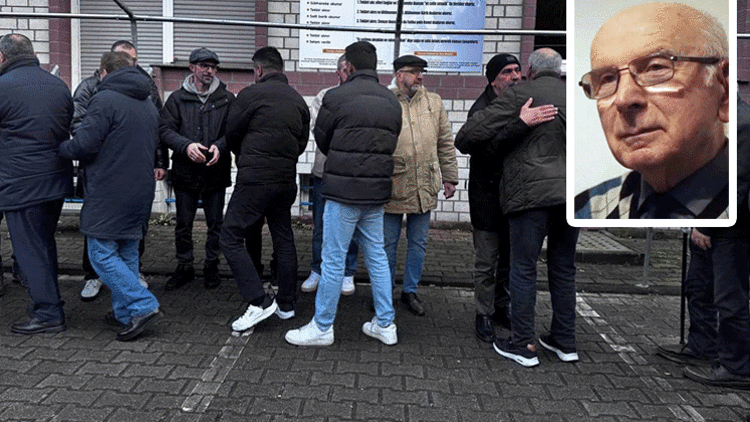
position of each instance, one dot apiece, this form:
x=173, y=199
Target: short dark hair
x=15, y=45
x=362, y=55
x=269, y=58
x=122, y=43
x=113, y=61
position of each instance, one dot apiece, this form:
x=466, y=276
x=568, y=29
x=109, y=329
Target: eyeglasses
x=413, y=71
x=207, y=66
x=646, y=71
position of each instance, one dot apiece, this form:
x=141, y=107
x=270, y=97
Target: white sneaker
x=387, y=335
x=284, y=315
x=347, y=288
x=142, y=279
x=310, y=335
x=253, y=315
x=91, y=289
x=311, y=284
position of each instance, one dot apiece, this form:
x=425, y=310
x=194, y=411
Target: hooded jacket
x=534, y=158
x=267, y=129
x=186, y=119
x=86, y=90
x=35, y=113
x=115, y=144
x=357, y=129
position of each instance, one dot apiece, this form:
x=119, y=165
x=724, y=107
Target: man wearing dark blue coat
x=35, y=113
x=115, y=144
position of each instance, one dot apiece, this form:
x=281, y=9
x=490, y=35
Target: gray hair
x=545, y=59
x=15, y=45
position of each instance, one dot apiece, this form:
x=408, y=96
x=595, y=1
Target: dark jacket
x=35, y=113
x=267, y=129
x=115, y=144
x=534, y=163
x=184, y=120
x=742, y=227
x=484, y=174
x=357, y=128
x=86, y=90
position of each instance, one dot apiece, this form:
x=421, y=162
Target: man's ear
x=723, y=76
x=2, y=57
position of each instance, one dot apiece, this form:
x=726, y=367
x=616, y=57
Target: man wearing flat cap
x=424, y=161
x=192, y=125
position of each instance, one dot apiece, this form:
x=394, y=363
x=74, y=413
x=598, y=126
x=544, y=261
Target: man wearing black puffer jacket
x=357, y=129
x=115, y=144
x=35, y=112
x=192, y=125
x=267, y=129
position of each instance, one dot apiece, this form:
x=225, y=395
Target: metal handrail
x=146, y=18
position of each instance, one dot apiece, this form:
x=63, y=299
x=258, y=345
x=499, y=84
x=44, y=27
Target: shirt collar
x=690, y=197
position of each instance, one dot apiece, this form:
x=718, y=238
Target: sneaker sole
x=516, y=358
x=89, y=298
x=316, y=342
x=263, y=316
x=382, y=339
x=309, y=289
x=348, y=292
x=565, y=357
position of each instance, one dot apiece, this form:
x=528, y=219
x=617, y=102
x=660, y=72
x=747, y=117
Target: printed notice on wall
x=446, y=53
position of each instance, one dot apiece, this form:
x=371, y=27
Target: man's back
x=357, y=128
x=35, y=113
x=268, y=128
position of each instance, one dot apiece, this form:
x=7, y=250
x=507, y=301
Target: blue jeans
x=364, y=224
x=116, y=262
x=527, y=232
x=417, y=232
x=317, y=234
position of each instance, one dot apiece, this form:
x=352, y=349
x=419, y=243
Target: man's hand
x=448, y=189
x=533, y=116
x=701, y=240
x=215, y=151
x=160, y=174
x=195, y=153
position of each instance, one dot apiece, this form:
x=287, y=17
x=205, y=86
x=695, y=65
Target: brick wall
x=457, y=90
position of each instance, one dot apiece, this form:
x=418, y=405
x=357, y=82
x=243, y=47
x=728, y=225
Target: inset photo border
x=591, y=162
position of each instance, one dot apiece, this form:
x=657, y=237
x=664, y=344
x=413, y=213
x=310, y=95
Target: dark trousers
x=89, y=272
x=249, y=203
x=527, y=232
x=716, y=288
x=187, y=205
x=492, y=270
x=32, y=233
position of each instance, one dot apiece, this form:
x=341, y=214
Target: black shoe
x=525, y=356
x=483, y=329
x=211, y=278
x=682, y=353
x=718, y=377
x=413, y=302
x=136, y=326
x=502, y=317
x=183, y=275
x=36, y=326
x=110, y=319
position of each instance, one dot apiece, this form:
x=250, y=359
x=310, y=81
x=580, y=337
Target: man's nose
x=629, y=95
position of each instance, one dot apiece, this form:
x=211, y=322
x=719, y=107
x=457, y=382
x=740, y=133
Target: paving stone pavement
x=189, y=366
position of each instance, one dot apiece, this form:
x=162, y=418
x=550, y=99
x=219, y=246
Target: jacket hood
x=128, y=81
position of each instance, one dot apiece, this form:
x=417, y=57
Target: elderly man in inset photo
x=663, y=100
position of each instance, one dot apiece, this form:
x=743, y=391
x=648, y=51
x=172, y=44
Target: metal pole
x=683, y=299
x=133, y=22
x=647, y=258
x=397, y=38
